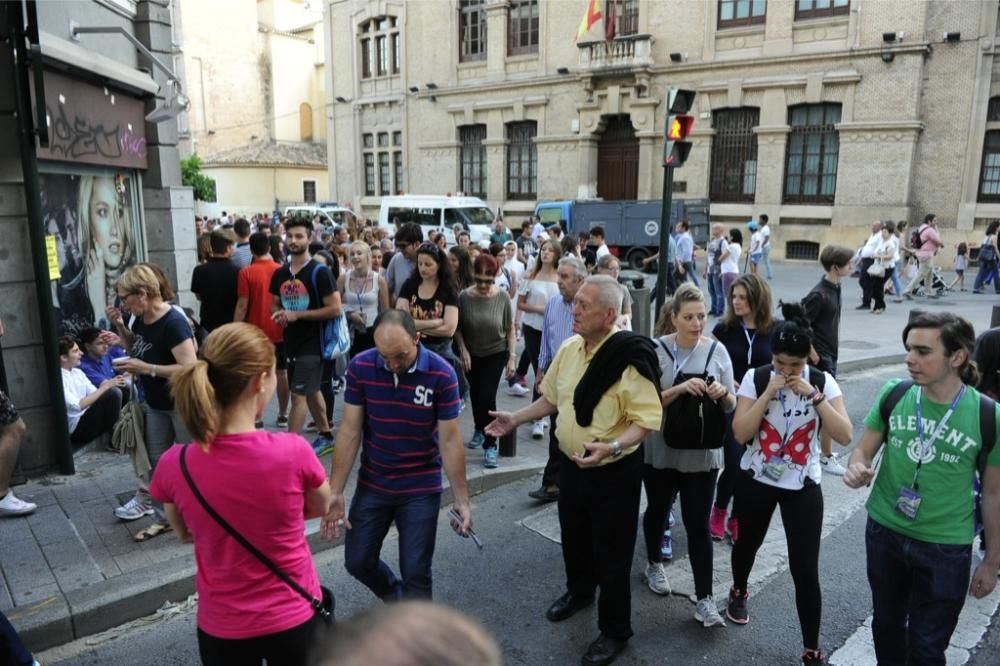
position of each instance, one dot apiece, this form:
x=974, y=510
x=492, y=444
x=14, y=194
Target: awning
x=77, y=57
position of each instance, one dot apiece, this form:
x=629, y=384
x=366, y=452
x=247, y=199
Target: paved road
x=509, y=585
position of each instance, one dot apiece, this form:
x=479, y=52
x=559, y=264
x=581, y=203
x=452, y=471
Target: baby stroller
x=938, y=285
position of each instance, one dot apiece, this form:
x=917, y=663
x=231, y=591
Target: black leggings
x=99, y=418
x=696, y=490
x=802, y=516
x=733, y=452
x=483, y=380
x=288, y=648
x=529, y=357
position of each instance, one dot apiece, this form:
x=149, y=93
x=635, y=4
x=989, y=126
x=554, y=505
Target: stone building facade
x=823, y=114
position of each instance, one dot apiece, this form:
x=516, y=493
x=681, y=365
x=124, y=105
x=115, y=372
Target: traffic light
x=676, y=147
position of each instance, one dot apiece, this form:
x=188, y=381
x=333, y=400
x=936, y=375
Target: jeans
x=484, y=376
x=289, y=648
x=987, y=268
x=696, y=491
x=897, y=288
x=598, y=512
x=766, y=251
x=12, y=650
x=716, y=293
x=690, y=273
x=918, y=590
x=802, y=517
x=163, y=430
x=371, y=515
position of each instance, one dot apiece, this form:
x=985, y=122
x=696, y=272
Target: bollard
x=508, y=444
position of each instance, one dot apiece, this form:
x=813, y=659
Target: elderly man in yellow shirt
x=600, y=427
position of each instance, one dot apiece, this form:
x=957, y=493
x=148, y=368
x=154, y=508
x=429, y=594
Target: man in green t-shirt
x=921, y=509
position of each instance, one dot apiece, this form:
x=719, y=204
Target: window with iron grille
x=812, y=153
x=626, y=14
x=734, y=13
x=993, y=111
x=522, y=160
x=309, y=191
x=473, y=160
x=397, y=167
x=370, y=174
x=384, y=184
x=807, y=9
x=522, y=27
x=472, y=30
x=989, y=174
x=379, y=47
x=802, y=250
x=734, y=154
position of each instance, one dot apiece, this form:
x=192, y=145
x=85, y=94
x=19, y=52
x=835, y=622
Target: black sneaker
x=813, y=658
x=736, y=611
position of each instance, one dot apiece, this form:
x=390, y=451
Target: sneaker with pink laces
x=717, y=523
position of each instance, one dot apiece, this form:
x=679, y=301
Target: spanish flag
x=590, y=17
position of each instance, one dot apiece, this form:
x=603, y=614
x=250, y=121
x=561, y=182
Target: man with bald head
x=401, y=408
x=603, y=384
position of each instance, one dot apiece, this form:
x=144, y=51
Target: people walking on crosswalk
x=933, y=432
x=697, y=391
x=782, y=408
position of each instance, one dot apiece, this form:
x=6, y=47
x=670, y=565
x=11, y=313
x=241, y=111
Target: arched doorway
x=618, y=160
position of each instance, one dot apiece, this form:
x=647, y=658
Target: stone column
x=168, y=206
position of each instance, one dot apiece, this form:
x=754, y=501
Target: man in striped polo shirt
x=401, y=408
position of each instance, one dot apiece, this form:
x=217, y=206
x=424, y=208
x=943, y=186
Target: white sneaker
x=656, y=578
x=133, y=510
x=517, y=390
x=706, y=613
x=11, y=506
x=538, y=430
x=831, y=466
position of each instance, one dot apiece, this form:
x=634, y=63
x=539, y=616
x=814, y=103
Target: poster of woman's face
x=96, y=226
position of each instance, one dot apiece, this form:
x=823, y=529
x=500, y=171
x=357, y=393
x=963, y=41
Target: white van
x=436, y=213
x=330, y=215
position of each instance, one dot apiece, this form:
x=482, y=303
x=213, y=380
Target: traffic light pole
x=662, y=265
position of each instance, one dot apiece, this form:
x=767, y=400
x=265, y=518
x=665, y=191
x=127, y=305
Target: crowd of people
x=737, y=421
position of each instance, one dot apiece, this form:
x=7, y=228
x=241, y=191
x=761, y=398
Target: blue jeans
x=918, y=590
x=371, y=515
x=897, y=288
x=716, y=293
x=767, y=260
x=986, y=269
x=690, y=273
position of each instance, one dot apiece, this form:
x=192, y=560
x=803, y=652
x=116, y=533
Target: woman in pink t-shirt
x=265, y=485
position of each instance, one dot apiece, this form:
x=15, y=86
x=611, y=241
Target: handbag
x=334, y=336
x=324, y=607
x=128, y=433
x=693, y=421
x=877, y=269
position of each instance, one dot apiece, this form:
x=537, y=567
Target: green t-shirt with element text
x=947, y=473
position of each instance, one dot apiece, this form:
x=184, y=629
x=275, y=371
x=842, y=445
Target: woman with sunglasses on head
x=487, y=344
x=745, y=331
x=782, y=408
x=364, y=294
x=430, y=297
x=538, y=286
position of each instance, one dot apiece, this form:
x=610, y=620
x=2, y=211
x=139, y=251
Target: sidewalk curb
x=62, y=618
x=861, y=364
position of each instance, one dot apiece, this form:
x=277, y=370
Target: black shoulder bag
x=693, y=421
x=324, y=607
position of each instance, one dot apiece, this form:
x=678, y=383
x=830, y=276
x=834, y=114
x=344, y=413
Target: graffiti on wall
x=79, y=138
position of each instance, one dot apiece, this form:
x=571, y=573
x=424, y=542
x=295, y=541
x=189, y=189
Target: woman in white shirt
x=92, y=411
x=886, y=256
x=729, y=261
x=364, y=294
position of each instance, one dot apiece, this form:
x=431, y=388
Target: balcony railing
x=624, y=53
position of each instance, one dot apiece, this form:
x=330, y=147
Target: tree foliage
x=191, y=175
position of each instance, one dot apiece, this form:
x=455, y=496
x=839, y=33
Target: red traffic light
x=679, y=127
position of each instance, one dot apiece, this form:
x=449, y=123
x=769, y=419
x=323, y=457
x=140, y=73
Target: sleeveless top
x=365, y=300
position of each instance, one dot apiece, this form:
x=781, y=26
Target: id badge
x=908, y=502
x=774, y=469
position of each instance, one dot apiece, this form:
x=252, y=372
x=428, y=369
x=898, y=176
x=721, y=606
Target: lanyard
x=788, y=414
x=678, y=367
x=925, y=446
x=750, y=341
x=361, y=292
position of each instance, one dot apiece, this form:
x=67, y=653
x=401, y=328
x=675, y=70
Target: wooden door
x=618, y=161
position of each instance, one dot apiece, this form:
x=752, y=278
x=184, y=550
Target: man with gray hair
x=557, y=327
x=603, y=384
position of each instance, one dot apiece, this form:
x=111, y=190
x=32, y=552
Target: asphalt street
x=512, y=581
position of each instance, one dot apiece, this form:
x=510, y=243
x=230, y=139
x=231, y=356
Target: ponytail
x=194, y=400
x=793, y=335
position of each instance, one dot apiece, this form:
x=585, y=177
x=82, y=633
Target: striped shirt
x=399, y=452
x=557, y=327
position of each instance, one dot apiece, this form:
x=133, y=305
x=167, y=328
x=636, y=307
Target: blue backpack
x=334, y=338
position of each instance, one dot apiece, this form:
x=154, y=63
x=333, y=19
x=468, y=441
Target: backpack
x=916, y=237
x=987, y=434
x=986, y=252
x=334, y=336
x=693, y=421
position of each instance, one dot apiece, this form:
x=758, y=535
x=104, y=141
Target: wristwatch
x=616, y=449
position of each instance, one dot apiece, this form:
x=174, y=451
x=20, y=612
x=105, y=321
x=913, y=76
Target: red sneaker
x=717, y=523
x=733, y=527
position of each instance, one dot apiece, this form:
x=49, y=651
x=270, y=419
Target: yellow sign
x=53, y=255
